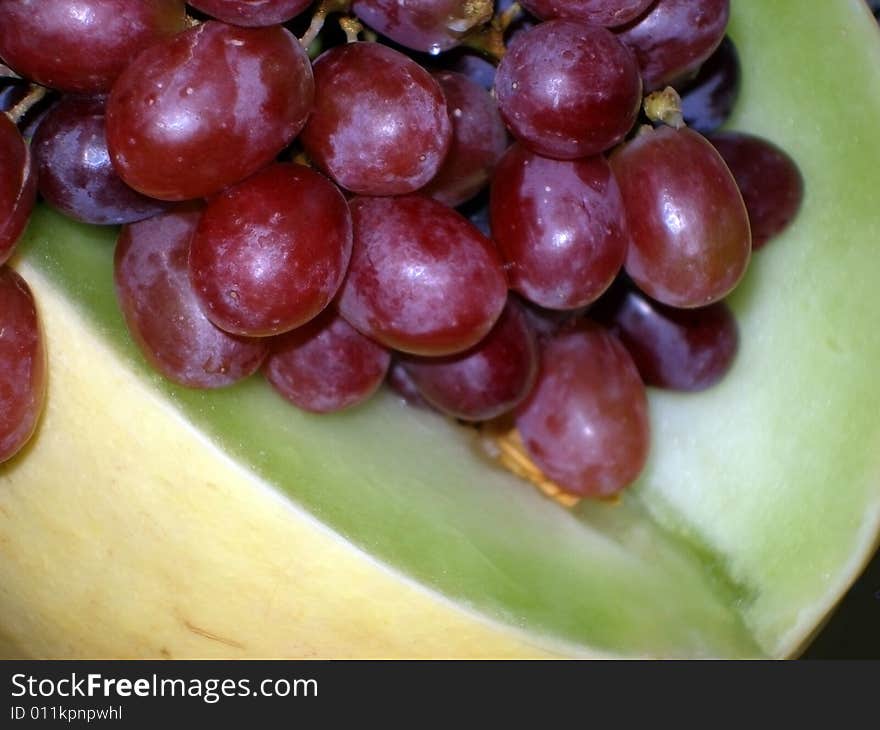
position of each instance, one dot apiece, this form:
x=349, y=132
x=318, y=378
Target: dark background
x=853, y=632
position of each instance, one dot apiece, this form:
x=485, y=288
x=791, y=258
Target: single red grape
x=74, y=172
x=22, y=364
x=690, y=240
x=82, y=45
x=380, y=124
x=422, y=279
x=251, y=12
x=271, y=252
x=678, y=349
x=607, y=13
x=430, y=26
x=769, y=180
x=567, y=89
x=585, y=423
x=18, y=186
x=326, y=365
x=162, y=312
x=478, y=141
x=486, y=381
x=674, y=37
x=560, y=225
x=207, y=108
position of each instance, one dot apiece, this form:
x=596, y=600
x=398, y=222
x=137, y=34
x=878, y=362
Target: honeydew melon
x=145, y=520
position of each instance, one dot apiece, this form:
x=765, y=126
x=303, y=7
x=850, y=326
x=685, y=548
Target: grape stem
x=664, y=107
x=319, y=17
x=488, y=39
x=351, y=27
x=34, y=95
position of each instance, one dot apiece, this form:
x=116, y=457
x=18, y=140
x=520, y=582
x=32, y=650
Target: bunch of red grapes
x=518, y=242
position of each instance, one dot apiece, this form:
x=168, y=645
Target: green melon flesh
x=761, y=499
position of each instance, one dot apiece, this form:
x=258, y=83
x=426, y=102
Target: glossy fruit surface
x=18, y=186
x=709, y=554
x=271, y=252
x=207, y=108
x=82, y=46
x=567, y=89
x=380, y=124
x=608, y=13
x=252, y=12
x=22, y=364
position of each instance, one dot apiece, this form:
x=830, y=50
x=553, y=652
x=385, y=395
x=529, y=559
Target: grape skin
x=326, y=365
x=567, y=90
x=422, y=279
x=380, y=124
x=74, y=171
x=486, y=381
x=478, y=141
x=607, y=13
x=708, y=99
x=585, y=423
x=207, y=108
x=22, y=364
x=560, y=226
x=151, y=276
x=251, y=13
x=690, y=231
x=18, y=186
x=271, y=252
x=82, y=46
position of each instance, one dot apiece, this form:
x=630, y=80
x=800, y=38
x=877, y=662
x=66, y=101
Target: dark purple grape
x=769, y=180
x=567, y=90
x=478, y=141
x=476, y=68
x=675, y=37
x=18, y=186
x=380, y=124
x=607, y=13
x=430, y=26
x=251, y=13
x=707, y=100
x=690, y=239
x=679, y=349
x=422, y=279
x=22, y=363
x=585, y=423
x=326, y=365
x=271, y=252
x=82, y=45
x=560, y=226
x=486, y=381
x=207, y=108
x=75, y=174
x=163, y=313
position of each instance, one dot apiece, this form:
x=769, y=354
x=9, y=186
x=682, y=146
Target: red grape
x=424, y=25
x=22, y=364
x=585, y=423
x=478, y=140
x=707, y=100
x=326, y=365
x=489, y=379
x=769, y=180
x=422, y=279
x=251, y=12
x=75, y=174
x=271, y=252
x=674, y=37
x=402, y=384
x=690, y=241
x=608, y=13
x=207, y=108
x=18, y=186
x=162, y=312
x=566, y=89
x=380, y=124
x=678, y=349
x=559, y=225
x=82, y=45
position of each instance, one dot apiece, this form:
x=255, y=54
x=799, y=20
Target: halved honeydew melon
x=147, y=520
